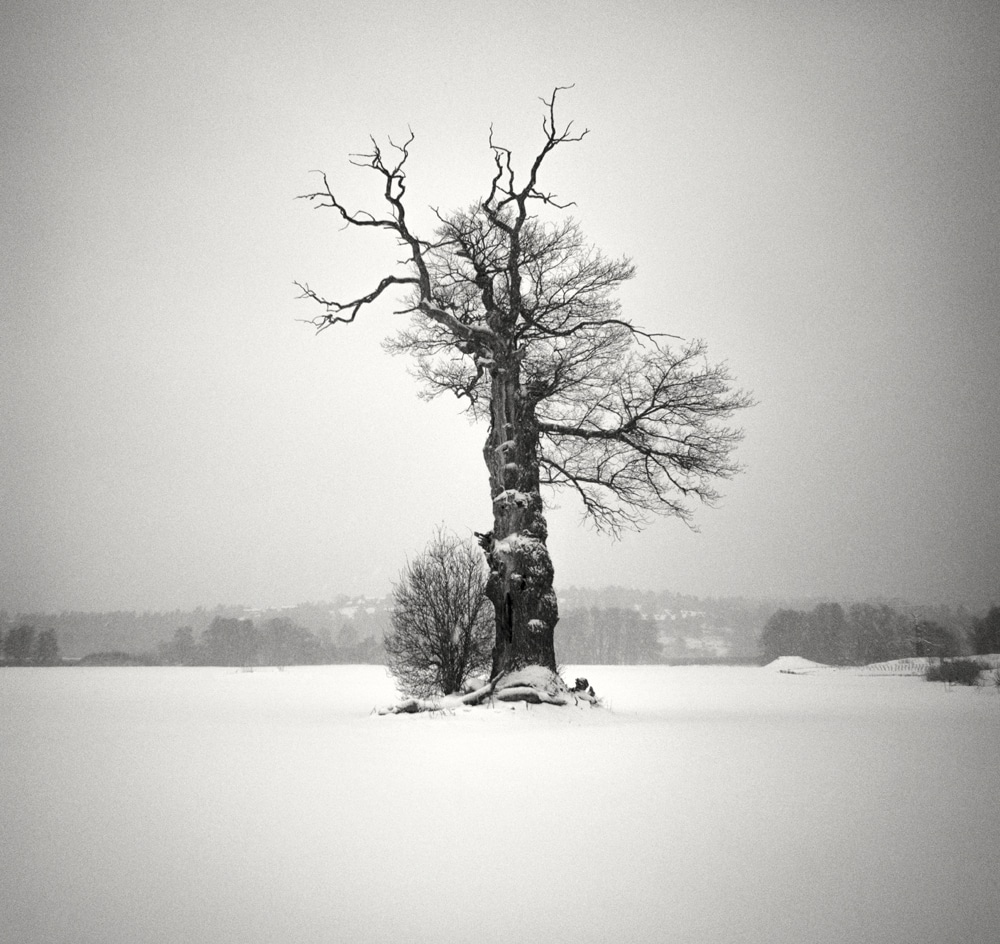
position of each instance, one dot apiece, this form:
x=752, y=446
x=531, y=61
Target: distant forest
x=615, y=625
x=866, y=633
x=345, y=630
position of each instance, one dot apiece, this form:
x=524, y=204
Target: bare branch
x=656, y=437
x=630, y=425
x=334, y=308
x=325, y=199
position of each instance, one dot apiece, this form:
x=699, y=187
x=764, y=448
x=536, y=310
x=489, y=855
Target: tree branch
x=334, y=308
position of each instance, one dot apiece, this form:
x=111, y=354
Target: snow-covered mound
x=795, y=665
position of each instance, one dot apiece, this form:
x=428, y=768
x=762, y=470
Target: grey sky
x=812, y=188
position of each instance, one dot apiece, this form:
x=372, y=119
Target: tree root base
x=533, y=684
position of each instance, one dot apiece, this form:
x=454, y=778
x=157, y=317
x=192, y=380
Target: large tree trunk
x=520, y=582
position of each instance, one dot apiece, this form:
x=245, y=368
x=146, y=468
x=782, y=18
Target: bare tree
x=442, y=623
x=516, y=314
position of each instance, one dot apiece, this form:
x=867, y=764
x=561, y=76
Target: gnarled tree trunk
x=520, y=581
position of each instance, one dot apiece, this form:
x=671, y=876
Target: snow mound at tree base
x=534, y=684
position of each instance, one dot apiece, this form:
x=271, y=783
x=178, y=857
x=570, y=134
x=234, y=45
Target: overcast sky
x=810, y=187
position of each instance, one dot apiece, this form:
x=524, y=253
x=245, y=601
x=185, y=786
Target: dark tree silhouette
x=19, y=645
x=934, y=640
x=985, y=635
x=46, y=649
x=284, y=642
x=442, y=623
x=866, y=633
x=230, y=641
x=517, y=315
x=878, y=633
x=182, y=649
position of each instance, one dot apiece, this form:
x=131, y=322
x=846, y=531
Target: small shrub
x=442, y=622
x=956, y=671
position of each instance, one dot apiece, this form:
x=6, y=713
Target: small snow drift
x=795, y=665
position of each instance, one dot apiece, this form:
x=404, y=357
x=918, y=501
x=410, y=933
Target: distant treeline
x=226, y=641
x=340, y=624
x=615, y=625
x=612, y=625
x=609, y=636
x=278, y=641
x=865, y=633
x=687, y=627
x=231, y=641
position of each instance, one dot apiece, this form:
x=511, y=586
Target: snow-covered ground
x=724, y=805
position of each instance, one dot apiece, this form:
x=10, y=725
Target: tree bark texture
x=521, y=574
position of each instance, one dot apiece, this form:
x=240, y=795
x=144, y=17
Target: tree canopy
x=516, y=313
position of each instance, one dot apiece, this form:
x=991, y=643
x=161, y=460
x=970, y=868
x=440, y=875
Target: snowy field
x=196, y=806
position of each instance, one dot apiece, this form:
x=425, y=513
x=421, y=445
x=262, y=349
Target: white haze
x=810, y=186
x=708, y=805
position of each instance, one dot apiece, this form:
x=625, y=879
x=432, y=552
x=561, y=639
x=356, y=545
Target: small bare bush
x=442, y=622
